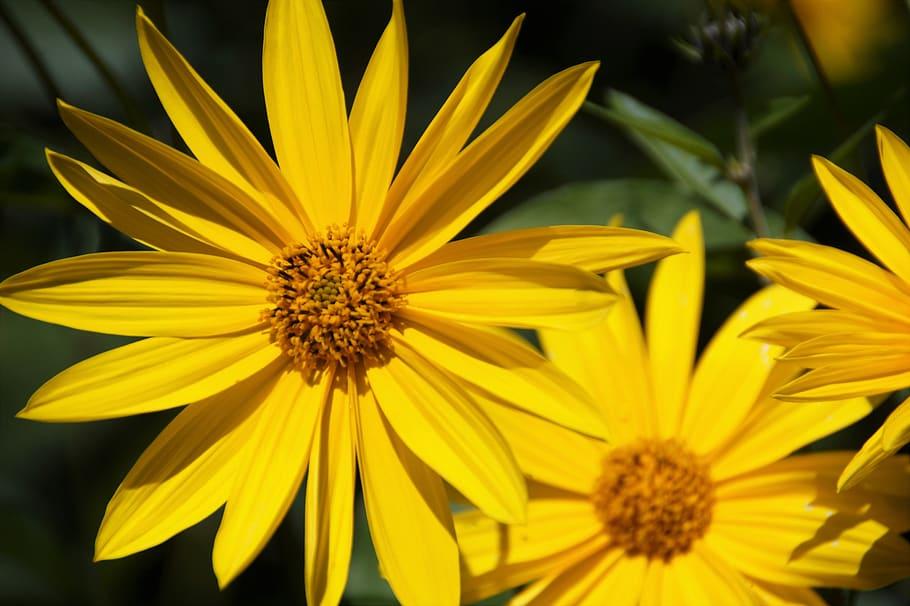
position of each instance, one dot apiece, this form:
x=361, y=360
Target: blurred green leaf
x=627, y=112
x=779, y=111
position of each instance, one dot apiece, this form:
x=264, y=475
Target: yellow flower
x=860, y=346
x=692, y=499
x=314, y=316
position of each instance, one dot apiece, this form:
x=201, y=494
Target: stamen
x=333, y=299
x=655, y=498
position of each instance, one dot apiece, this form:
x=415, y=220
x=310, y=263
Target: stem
x=126, y=100
x=746, y=176
x=32, y=55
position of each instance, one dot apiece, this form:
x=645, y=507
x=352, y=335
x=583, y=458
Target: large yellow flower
x=314, y=316
x=860, y=345
x=692, y=499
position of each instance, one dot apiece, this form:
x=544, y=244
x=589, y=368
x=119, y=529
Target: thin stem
x=746, y=176
x=126, y=100
x=814, y=59
x=31, y=54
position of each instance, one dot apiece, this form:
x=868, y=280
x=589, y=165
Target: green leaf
x=627, y=112
x=779, y=111
x=680, y=164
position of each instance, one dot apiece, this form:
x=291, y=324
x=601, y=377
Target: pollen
x=333, y=299
x=655, y=498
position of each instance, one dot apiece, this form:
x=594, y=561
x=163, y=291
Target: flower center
x=333, y=298
x=655, y=498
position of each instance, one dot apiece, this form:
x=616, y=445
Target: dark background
x=55, y=479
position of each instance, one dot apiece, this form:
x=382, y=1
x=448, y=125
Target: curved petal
x=488, y=167
x=592, y=248
x=306, y=108
x=672, y=320
x=504, y=365
x=453, y=124
x=149, y=375
x=377, y=120
x=794, y=328
x=833, y=277
x=864, y=213
x=213, y=132
x=330, y=487
x=407, y=510
x=186, y=473
x=869, y=458
x=895, y=157
x=701, y=577
x=838, y=348
x=610, y=361
x=206, y=202
x=848, y=380
x=437, y=421
x=140, y=294
x=510, y=292
x=270, y=470
x=732, y=371
x=608, y=577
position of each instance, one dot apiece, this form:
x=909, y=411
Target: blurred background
x=807, y=76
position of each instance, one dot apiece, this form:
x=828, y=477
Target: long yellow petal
x=869, y=458
x=592, y=248
x=140, y=294
x=794, y=328
x=504, y=365
x=704, y=576
x=604, y=578
x=186, y=473
x=672, y=319
x=306, y=108
x=848, y=380
x=833, y=277
x=408, y=512
x=213, y=132
x=895, y=158
x=864, y=213
x=510, y=292
x=732, y=371
x=438, y=421
x=488, y=167
x=377, y=120
x=610, y=361
x=129, y=210
x=224, y=214
x=268, y=476
x=546, y=452
x=149, y=375
x=838, y=348
x=783, y=595
x=453, y=124
x=329, y=523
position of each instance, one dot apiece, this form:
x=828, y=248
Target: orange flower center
x=333, y=298
x=655, y=498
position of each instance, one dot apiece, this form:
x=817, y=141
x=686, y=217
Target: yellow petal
x=610, y=361
x=213, y=132
x=140, y=294
x=604, y=578
x=488, y=167
x=783, y=595
x=864, y=213
x=306, y=108
x=833, y=278
x=273, y=463
x=437, y=420
x=408, y=512
x=848, y=380
x=703, y=576
x=377, y=120
x=504, y=365
x=732, y=371
x=185, y=474
x=450, y=129
x=897, y=428
x=869, y=458
x=592, y=248
x=794, y=328
x=672, y=320
x=510, y=292
x=329, y=529
x=129, y=210
x=208, y=203
x=895, y=157
x=546, y=452
x=838, y=348
x=149, y=375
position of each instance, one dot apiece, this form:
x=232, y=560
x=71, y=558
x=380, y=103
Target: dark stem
x=32, y=55
x=745, y=174
x=126, y=100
